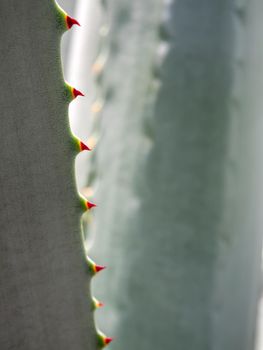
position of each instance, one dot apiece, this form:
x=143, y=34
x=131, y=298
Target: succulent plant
x=176, y=107
x=44, y=291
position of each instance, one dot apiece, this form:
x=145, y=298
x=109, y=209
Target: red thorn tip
x=71, y=21
x=77, y=93
x=90, y=205
x=108, y=340
x=98, y=268
x=100, y=304
x=83, y=147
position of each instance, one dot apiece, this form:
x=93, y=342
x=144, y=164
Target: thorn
x=70, y=93
x=80, y=145
x=86, y=205
x=100, y=304
x=83, y=146
x=99, y=268
x=108, y=340
x=76, y=93
x=71, y=21
x=96, y=303
x=64, y=21
x=103, y=340
x=94, y=267
x=90, y=205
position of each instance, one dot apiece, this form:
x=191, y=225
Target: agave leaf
x=44, y=295
x=178, y=175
